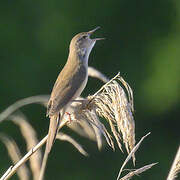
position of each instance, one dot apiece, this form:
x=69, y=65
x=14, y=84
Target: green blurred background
x=142, y=42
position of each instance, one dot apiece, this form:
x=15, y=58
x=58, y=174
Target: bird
x=70, y=82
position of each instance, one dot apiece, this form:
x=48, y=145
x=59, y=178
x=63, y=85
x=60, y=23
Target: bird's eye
x=84, y=37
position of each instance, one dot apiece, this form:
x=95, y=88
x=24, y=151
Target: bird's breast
x=81, y=87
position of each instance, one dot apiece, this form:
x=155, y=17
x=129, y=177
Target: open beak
x=92, y=31
x=97, y=39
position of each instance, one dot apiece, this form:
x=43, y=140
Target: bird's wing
x=65, y=88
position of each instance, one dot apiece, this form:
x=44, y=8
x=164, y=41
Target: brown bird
x=70, y=82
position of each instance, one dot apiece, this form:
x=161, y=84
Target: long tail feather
x=53, y=129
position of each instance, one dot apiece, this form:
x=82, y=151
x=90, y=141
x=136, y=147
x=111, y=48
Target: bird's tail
x=53, y=129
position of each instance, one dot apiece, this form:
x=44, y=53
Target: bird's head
x=82, y=44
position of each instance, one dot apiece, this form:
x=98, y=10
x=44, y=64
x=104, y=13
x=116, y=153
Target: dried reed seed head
x=87, y=123
x=113, y=104
x=81, y=119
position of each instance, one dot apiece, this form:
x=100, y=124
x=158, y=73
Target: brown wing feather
x=66, y=86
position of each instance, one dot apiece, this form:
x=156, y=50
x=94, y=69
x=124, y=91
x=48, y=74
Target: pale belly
x=81, y=88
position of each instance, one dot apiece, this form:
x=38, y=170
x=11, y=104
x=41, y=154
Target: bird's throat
x=79, y=57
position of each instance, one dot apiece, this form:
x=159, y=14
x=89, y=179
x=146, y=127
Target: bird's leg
x=69, y=117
